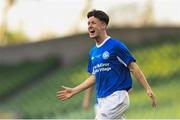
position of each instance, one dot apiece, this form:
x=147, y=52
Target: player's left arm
x=138, y=74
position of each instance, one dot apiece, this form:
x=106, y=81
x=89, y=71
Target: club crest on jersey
x=105, y=55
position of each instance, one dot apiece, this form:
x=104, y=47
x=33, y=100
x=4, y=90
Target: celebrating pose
x=110, y=65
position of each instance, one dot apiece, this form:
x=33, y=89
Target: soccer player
x=110, y=65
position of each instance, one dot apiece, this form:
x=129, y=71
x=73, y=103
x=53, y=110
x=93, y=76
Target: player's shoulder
x=117, y=42
x=92, y=49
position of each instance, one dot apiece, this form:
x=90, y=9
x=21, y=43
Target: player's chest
x=103, y=56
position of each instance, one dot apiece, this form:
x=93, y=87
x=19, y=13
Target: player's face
x=95, y=27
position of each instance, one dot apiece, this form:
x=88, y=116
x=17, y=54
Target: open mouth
x=92, y=31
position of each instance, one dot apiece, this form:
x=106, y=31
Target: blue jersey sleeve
x=123, y=54
x=90, y=67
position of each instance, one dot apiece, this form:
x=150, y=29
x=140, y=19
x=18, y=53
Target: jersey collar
x=98, y=46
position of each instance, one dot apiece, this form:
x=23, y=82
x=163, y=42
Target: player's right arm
x=67, y=92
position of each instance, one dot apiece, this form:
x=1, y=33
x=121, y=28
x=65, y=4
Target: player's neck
x=101, y=39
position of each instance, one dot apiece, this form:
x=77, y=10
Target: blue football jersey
x=108, y=62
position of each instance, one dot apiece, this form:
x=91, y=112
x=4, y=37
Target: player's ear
x=104, y=26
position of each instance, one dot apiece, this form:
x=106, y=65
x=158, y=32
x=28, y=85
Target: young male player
x=110, y=64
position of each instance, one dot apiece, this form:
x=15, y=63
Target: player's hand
x=152, y=97
x=65, y=94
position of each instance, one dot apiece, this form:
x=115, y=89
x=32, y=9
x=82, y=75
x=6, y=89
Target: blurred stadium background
x=44, y=44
